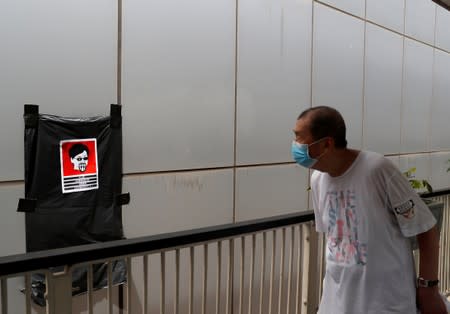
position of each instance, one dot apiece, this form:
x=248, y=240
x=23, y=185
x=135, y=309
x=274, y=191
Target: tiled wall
x=211, y=90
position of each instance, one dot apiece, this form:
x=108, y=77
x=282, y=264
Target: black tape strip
x=116, y=116
x=27, y=205
x=123, y=199
x=31, y=116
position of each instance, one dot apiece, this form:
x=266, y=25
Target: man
x=367, y=209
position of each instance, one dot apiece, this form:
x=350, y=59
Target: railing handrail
x=20, y=263
x=436, y=193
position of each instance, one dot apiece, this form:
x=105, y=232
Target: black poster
x=73, y=182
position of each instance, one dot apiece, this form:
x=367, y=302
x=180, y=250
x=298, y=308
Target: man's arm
x=428, y=298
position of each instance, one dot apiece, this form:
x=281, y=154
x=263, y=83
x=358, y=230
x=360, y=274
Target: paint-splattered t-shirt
x=367, y=214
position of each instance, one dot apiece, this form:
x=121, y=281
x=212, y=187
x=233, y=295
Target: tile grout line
x=119, y=52
x=403, y=79
x=430, y=113
x=180, y=171
x=435, y=24
x=236, y=51
x=308, y=182
x=363, y=101
x=381, y=26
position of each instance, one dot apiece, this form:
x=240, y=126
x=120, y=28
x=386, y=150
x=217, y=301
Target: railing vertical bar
x=110, y=294
x=205, y=278
x=191, y=280
x=263, y=272
x=241, y=276
x=272, y=269
x=305, y=266
x=447, y=243
x=176, y=309
x=444, y=256
x=28, y=293
x=444, y=246
x=281, y=281
x=129, y=279
x=90, y=288
x=321, y=262
x=298, y=270
x=252, y=274
x=440, y=264
x=442, y=253
x=4, y=286
x=145, y=270
x=163, y=284
x=219, y=275
x=290, y=267
x=228, y=306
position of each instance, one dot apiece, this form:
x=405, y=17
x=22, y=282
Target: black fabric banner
x=73, y=178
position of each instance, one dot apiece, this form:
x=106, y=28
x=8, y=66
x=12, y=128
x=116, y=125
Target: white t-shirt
x=367, y=213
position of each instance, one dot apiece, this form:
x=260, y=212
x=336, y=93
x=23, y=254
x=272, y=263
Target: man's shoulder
x=315, y=175
x=376, y=160
x=379, y=165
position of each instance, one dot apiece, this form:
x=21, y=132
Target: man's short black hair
x=326, y=122
x=78, y=149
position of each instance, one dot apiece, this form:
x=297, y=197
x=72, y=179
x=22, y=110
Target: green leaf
x=416, y=184
x=409, y=173
x=428, y=186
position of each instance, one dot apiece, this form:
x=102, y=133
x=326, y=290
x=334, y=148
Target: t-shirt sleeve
x=413, y=216
x=320, y=226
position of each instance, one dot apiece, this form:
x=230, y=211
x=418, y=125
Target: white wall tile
x=338, y=53
x=274, y=74
x=16, y=298
x=177, y=201
x=420, y=20
x=417, y=96
x=356, y=7
x=270, y=190
x=388, y=13
x=178, y=84
x=419, y=161
x=395, y=160
x=383, y=90
x=442, y=28
x=60, y=55
x=12, y=223
x=440, y=109
x=440, y=177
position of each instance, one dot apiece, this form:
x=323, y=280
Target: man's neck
x=343, y=160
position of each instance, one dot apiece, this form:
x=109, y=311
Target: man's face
x=303, y=136
x=80, y=161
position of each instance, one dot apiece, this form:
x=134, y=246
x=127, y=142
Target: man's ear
x=329, y=142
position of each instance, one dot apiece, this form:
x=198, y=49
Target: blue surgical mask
x=300, y=153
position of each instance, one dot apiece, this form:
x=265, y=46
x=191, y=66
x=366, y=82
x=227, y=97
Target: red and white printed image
x=79, y=170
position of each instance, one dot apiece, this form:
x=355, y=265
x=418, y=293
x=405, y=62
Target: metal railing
x=262, y=266
x=266, y=266
x=444, y=241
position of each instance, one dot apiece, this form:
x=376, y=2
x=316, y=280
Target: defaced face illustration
x=79, y=156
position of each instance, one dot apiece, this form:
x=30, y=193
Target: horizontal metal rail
x=20, y=263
